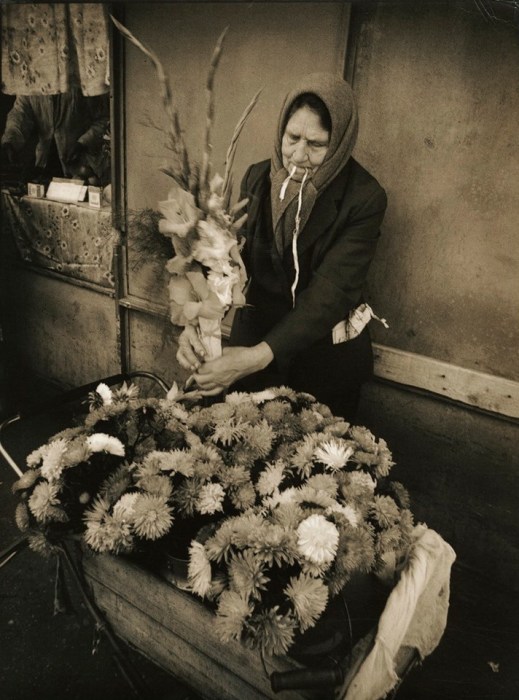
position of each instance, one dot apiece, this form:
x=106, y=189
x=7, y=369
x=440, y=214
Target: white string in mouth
x=296, y=234
x=284, y=186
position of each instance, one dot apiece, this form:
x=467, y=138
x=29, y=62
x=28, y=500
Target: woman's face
x=305, y=143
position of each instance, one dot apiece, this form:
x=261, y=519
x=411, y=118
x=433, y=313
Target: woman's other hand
x=235, y=363
x=191, y=351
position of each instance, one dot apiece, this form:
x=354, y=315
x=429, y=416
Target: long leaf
x=174, y=132
x=208, y=146
x=231, y=151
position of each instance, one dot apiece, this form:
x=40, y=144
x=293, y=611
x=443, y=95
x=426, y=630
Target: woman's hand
x=191, y=351
x=235, y=363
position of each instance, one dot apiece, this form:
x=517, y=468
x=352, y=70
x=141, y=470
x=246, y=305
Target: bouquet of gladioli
x=207, y=273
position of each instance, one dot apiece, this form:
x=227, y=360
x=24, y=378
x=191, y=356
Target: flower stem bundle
x=207, y=274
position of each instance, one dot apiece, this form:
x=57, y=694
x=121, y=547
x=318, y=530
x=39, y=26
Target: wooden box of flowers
x=281, y=511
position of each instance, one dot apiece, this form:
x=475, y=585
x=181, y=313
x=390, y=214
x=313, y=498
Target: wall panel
x=439, y=98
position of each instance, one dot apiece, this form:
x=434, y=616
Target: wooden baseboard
x=477, y=389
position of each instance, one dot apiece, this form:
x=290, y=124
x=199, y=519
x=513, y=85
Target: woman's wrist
x=261, y=355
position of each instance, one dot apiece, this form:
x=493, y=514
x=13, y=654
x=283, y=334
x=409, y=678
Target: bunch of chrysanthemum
x=291, y=500
x=81, y=481
x=207, y=273
x=324, y=511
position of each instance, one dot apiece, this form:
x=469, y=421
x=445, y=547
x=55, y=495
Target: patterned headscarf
x=337, y=95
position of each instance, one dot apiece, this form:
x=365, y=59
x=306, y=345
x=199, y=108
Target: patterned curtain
x=48, y=47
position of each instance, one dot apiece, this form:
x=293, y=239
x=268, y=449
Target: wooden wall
x=437, y=99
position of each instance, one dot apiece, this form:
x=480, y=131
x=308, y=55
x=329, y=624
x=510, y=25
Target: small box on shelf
x=94, y=196
x=35, y=190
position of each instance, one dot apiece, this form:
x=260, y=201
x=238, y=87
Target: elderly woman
x=313, y=220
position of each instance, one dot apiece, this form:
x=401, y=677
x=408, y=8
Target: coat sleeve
x=336, y=285
x=20, y=123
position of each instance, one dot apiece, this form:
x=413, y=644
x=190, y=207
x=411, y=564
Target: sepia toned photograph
x=259, y=350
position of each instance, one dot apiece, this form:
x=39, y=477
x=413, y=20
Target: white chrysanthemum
x=152, y=516
x=52, y=465
x=261, y=396
x=287, y=496
x=211, y=499
x=199, y=569
x=100, y=442
x=124, y=508
x=317, y=539
x=334, y=454
x=43, y=500
x=105, y=393
x=351, y=515
x=35, y=457
x=270, y=478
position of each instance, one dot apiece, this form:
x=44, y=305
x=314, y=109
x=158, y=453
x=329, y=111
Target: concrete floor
x=54, y=657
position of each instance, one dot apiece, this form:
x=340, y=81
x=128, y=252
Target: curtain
x=46, y=48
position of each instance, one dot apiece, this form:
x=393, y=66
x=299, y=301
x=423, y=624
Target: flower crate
x=175, y=631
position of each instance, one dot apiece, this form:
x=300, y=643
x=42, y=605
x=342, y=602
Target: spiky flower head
x=271, y=631
x=126, y=392
x=270, y=478
x=385, y=511
x=309, y=597
x=44, y=501
x=100, y=442
x=199, y=569
x=323, y=482
x=210, y=499
x=333, y=453
x=243, y=497
x=303, y=458
x=346, y=511
x=247, y=575
x=124, y=509
x=157, y=485
x=52, y=464
x=274, y=544
x=152, y=516
x=109, y=535
x=233, y=610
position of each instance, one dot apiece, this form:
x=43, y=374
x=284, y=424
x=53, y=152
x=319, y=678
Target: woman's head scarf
x=337, y=95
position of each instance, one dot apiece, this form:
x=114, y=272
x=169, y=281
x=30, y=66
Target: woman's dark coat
x=335, y=249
